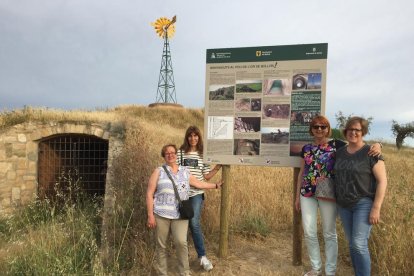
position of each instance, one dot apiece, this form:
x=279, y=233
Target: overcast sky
x=87, y=54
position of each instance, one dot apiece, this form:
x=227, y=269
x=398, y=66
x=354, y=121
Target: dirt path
x=254, y=256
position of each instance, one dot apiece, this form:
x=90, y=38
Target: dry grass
x=257, y=193
x=261, y=198
x=44, y=241
x=392, y=241
x=18, y=116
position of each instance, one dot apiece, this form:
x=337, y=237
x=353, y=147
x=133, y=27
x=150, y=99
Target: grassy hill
x=43, y=239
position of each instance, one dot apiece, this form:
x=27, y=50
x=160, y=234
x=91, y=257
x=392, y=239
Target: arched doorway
x=72, y=161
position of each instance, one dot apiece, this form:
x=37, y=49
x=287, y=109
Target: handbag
x=325, y=189
x=184, y=206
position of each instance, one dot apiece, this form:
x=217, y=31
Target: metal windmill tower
x=165, y=29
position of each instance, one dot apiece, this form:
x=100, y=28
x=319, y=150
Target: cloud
x=86, y=54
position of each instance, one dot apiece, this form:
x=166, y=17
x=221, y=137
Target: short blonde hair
x=164, y=149
x=355, y=119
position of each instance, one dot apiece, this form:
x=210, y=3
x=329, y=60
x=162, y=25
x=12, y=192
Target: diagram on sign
x=220, y=127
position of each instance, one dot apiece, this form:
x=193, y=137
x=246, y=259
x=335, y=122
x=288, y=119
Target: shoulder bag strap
x=173, y=183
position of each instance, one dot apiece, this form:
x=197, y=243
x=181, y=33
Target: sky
x=88, y=54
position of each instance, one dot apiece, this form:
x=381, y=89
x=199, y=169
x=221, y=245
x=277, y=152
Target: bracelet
x=216, y=186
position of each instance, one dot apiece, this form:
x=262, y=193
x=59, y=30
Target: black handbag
x=184, y=206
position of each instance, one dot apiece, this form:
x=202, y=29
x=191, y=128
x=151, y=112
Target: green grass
x=253, y=225
x=52, y=238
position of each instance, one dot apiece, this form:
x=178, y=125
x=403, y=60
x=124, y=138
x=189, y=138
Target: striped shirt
x=165, y=202
x=194, y=161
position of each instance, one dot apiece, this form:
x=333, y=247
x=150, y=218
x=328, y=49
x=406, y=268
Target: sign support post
x=296, y=232
x=224, y=212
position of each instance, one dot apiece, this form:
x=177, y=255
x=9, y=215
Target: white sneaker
x=313, y=273
x=206, y=264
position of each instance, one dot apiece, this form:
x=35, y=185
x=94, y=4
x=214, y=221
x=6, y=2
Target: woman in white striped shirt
x=191, y=155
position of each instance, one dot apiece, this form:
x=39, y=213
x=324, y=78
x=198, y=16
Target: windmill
x=165, y=29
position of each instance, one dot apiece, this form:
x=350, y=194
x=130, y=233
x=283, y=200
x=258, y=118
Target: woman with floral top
x=317, y=163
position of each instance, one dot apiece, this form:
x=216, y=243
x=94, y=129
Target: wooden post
x=224, y=212
x=297, y=225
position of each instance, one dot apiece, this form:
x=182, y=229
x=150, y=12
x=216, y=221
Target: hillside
x=260, y=220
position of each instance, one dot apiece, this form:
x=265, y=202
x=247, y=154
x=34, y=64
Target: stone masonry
x=19, y=156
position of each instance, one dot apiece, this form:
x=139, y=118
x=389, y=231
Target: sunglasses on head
x=319, y=127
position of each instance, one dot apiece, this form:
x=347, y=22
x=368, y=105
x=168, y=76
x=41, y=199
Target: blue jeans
x=309, y=208
x=195, y=226
x=357, y=228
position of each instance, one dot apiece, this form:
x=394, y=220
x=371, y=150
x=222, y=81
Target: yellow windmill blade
x=164, y=26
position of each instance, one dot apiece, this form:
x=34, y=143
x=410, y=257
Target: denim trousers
x=355, y=221
x=179, y=230
x=195, y=226
x=309, y=208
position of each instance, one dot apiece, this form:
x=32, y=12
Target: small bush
x=254, y=225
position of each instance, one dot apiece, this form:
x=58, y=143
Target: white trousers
x=309, y=208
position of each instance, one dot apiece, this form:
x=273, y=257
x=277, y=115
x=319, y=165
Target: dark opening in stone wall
x=71, y=162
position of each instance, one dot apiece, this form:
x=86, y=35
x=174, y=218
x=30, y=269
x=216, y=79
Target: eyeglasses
x=315, y=127
x=170, y=153
x=354, y=129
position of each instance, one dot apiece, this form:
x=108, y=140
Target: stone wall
x=19, y=155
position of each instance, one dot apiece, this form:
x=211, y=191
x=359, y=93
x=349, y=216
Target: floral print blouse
x=319, y=162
